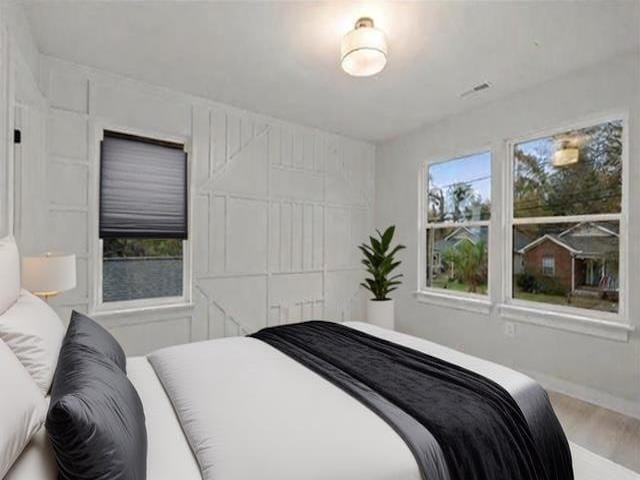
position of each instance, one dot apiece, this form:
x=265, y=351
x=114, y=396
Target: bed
x=267, y=412
x=239, y=409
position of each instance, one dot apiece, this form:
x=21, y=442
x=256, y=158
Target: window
x=458, y=210
x=143, y=218
x=565, y=223
x=549, y=266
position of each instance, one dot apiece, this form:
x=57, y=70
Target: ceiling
x=282, y=58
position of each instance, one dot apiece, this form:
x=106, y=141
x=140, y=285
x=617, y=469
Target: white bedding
x=271, y=418
x=260, y=414
x=168, y=454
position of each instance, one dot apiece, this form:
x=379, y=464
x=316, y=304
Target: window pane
x=572, y=173
x=574, y=264
x=460, y=189
x=457, y=259
x=141, y=268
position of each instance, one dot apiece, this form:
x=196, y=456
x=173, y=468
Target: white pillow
x=34, y=332
x=10, y=273
x=22, y=408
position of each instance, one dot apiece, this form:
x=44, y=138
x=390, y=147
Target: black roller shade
x=143, y=188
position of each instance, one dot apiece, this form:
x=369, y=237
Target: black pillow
x=87, y=332
x=95, y=422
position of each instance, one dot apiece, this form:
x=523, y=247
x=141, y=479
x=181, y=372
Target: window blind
x=143, y=188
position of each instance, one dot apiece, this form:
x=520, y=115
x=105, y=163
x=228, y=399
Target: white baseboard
x=588, y=394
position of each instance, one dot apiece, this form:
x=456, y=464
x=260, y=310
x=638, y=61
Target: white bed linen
x=259, y=414
x=250, y=412
x=168, y=454
x=36, y=462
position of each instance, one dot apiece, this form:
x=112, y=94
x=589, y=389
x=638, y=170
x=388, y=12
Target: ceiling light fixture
x=364, y=49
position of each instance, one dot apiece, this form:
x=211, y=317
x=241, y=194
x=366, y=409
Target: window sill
x=459, y=302
x=142, y=311
x=594, y=327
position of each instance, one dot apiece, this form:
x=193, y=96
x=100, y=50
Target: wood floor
x=606, y=433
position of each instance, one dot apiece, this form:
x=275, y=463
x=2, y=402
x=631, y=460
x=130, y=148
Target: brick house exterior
x=583, y=256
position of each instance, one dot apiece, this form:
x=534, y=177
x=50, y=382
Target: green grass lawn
x=441, y=281
x=577, y=301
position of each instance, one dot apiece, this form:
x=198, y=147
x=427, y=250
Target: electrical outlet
x=510, y=329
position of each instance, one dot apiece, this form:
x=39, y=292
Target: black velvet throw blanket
x=458, y=424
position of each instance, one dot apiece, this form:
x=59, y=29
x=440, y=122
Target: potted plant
x=379, y=262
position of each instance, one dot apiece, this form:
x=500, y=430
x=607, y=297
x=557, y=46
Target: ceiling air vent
x=478, y=88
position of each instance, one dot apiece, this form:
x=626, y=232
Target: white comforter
x=260, y=414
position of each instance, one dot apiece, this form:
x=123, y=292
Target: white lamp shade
x=364, y=51
x=49, y=274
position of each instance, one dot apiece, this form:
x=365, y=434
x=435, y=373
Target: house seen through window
x=457, y=224
x=143, y=218
x=567, y=191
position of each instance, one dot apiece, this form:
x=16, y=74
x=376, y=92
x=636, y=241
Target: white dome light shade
x=364, y=50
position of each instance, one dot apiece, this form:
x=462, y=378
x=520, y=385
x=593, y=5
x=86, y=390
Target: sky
x=464, y=169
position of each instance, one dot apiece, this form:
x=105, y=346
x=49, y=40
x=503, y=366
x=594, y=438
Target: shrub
x=537, y=283
x=526, y=282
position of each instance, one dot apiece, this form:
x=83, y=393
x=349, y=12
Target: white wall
x=277, y=208
x=601, y=370
x=18, y=73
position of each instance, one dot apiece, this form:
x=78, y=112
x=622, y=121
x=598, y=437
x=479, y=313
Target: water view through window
x=135, y=269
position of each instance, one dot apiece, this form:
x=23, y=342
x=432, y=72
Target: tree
x=436, y=201
x=460, y=193
x=468, y=262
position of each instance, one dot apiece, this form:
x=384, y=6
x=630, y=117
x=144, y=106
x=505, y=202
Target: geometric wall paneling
x=140, y=338
x=74, y=175
x=217, y=234
x=245, y=171
x=343, y=297
x=139, y=108
x=296, y=236
x=200, y=146
x=68, y=91
x=350, y=174
x=217, y=323
x=338, y=237
x=200, y=315
x=200, y=234
x=289, y=289
x=289, y=183
x=246, y=236
x=242, y=300
x=277, y=209
x=67, y=231
x=297, y=148
x=67, y=132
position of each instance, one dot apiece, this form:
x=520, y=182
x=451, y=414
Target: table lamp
x=49, y=274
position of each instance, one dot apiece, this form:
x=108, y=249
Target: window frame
x=562, y=311
x=464, y=300
x=96, y=303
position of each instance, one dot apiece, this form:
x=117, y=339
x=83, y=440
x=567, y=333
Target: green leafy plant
x=468, y=262
x=379, y=262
